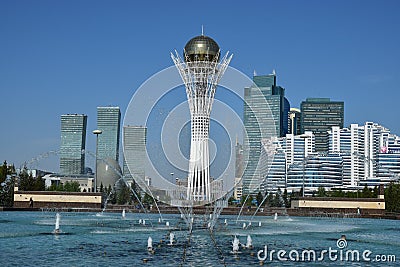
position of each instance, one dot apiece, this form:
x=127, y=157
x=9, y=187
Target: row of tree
x=283, y=199
x=365, y=193
x=122, y=194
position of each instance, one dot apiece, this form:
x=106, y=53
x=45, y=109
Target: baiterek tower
x=201, y=71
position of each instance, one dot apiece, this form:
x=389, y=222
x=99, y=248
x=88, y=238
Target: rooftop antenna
x=202, y=30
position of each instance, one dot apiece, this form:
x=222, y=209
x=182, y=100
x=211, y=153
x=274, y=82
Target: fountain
x=244, y=225
x=123, y=214
x=249, y=243
x=226, y=222
x=259, y=224
x=57, y=227
x=171, y=238
x=167, y=224
x=276, y=216
x=150, y=245
x=140, y=221
x=235, y=245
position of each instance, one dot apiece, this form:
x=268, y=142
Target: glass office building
x=134, y=138
x=264, y=117
x=73, y=140
x=319, y=115
x=108, y=121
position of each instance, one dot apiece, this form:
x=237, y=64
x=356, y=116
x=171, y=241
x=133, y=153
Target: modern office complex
x=316, y=171
x=265, y=116
x=201, y=69
x=297, y=166
x=319, y=115
x=108, y=121
x=73, y=140
x=370, y=153
x=134, y=138
x=291, y=153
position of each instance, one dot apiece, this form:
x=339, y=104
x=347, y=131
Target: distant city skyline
x=53, y=64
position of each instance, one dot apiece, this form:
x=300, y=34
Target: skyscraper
x=108, y=121
x=73, y=140
x=319, y=115
x=134, y=138
x=264, y=117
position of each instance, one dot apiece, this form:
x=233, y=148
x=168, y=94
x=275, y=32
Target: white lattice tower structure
x=200, y=71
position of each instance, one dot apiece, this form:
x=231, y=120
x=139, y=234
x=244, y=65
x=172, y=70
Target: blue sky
x=59, y=57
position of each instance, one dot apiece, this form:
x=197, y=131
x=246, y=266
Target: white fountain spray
x=167, y=224
x=259, y=224
x=244, y=225
x=235, y=245
x=149, y=244
x=276, y=216
x=123, y=214
x=57, y=227
x=249, y=243
x=226, y=222
x=140, y=221
x=171, y=238
x=144, y=222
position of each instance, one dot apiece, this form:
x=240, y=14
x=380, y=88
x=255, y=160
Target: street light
x=96, y=132
x=304, y=136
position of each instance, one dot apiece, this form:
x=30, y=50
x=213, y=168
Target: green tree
x=39, y=184
x=136, y=189
x=6, y=185
x=285, y=198
x=375, y=192
x=392, y=197
x=277, y=200
x=321, y=192
x=269, y=200
x=72, y=186
x=259, y=198
x=101, y=187
x=230, y=200
x=26, y=180
x=3, y=172
x=55, y=187
x=123, y=196
x=147, y=199
x=366, y=192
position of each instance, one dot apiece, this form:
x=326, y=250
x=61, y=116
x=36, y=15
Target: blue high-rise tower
x=265, y=115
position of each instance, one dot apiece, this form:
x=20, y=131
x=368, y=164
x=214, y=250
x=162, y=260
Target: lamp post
x=304, y=137
x=96, y=132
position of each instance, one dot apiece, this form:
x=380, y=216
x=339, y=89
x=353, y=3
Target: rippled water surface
x=90, y=239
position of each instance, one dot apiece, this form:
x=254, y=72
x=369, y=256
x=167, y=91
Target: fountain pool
x=106, y=239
